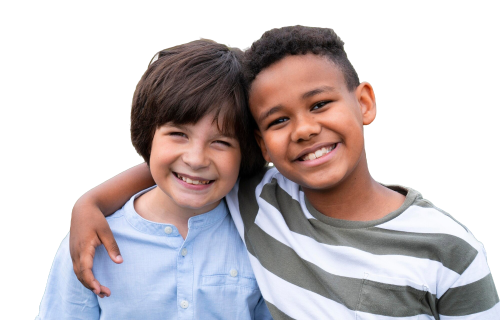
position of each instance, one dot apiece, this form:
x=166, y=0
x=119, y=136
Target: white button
x=184, y=252
x=233, y=273
x=168, y=230
x=184, y=304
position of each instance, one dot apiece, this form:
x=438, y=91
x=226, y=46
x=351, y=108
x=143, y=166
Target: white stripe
x=354, y=263
x=290, y=187
x=491, y=314
x=477, y=270
x=429, y=220
x=306, y=212
x=234, y=209
x=295, y=301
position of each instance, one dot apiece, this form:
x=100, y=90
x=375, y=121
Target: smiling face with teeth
x=194, y=166
x=310, y=124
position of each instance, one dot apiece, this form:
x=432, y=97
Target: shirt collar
x=200, y=221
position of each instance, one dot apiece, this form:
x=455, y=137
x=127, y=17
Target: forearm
x=115, y=192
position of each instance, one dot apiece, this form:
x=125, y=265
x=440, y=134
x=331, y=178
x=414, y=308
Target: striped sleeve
x=473, y=295
x=464, y=287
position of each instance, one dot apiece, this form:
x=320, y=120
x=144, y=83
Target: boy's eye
x=225, y=143
x=179, y=134
x=277, y=121
x=319, y=105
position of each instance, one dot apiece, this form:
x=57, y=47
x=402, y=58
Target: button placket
x=185, y=279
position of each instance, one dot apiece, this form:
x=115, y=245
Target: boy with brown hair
x=324, y=238
x=185, y=259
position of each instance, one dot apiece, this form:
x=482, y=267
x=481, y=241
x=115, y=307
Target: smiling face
x=310, y=124
x=194, y=165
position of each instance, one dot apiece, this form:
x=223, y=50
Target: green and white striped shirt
x=415, y=263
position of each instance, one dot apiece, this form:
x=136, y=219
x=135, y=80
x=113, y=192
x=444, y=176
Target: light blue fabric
x=155, y=280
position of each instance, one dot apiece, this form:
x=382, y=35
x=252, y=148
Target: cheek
x=230, y=166
x=275, y=143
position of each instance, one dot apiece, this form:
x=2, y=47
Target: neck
x=156, y=206
x=358, y=197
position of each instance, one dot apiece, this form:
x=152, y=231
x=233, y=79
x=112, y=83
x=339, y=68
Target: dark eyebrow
x=306, y=95
x=316, y=91
x=270, y=112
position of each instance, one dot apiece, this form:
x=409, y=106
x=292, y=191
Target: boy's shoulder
x=419, y=215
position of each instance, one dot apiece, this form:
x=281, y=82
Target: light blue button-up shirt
x=206, y=276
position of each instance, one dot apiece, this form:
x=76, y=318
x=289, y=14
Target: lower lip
x=192, y=186
x=320, y=161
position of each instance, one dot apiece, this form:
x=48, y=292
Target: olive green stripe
x=453, y=252
x=395, y=301
x=472, y=298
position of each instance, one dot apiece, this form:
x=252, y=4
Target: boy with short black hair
x=325, y=240
x=184, y=258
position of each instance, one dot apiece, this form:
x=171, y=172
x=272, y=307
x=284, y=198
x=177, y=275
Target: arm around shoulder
x=90, y=229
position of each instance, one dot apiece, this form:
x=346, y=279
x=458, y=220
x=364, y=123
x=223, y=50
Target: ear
x=367, y=104
x=262, y=145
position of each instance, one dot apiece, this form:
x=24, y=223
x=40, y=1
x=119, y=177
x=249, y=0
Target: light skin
x=302, y=107
x=194, y=167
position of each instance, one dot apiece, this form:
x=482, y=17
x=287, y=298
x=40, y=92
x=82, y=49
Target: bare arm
x=89, y=227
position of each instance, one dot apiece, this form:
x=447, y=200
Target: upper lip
x=192, y=177
x=314, y=148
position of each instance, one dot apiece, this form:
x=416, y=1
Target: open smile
x=318, y=153
x=192, y=180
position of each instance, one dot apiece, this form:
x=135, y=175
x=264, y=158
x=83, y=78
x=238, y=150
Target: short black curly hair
x=276, y=44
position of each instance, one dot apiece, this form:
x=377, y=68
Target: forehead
x=292, y=77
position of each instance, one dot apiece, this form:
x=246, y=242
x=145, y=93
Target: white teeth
x=318, y=153
x=188, y=180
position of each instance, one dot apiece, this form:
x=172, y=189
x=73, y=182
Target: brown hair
x=186, y=83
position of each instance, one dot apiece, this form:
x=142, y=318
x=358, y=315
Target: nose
x=306, y=127
x=195, y=156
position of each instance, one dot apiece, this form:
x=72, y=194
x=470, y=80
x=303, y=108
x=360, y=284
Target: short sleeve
x=473, y=295
x=65, y=297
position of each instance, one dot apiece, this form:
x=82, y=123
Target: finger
x=109, y=242
x=105, y=292
x=88, y=280
x=83, y=270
